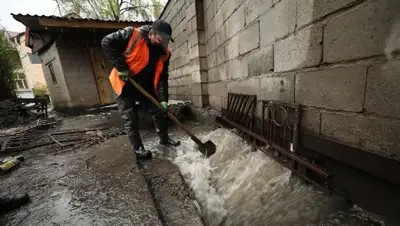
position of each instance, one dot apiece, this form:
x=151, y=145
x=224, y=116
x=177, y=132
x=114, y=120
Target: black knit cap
x=163, y=28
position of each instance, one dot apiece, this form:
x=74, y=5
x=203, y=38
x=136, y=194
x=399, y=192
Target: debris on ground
x=9, y=163
x=13, y=113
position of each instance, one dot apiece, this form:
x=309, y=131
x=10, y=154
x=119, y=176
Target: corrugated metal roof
x=82, y=19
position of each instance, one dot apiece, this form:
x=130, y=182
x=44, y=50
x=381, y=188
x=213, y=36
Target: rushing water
x=237, y=186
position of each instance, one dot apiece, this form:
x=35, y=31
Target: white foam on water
x=236, y=186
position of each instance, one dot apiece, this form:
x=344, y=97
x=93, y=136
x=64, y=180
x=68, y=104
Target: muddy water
x=237, y=186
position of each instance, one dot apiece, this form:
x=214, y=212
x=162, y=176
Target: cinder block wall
x=78, y=72
x=340, y=59
x=60, y=97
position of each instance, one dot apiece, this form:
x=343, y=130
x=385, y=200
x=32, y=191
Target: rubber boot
x=138, y=149
x=160, y=121
x=13, y=202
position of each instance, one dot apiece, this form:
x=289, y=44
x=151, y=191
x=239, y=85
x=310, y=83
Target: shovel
x=208, y=148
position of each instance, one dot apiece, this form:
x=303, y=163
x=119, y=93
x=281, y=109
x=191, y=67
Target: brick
x=373, y=134
x=279, y=87
x=221, y=57
x=311, y=121
x=260, y=61
x=249, y=86
x=311, y=10
x=254, y=8
x=217, y=89
x=299, y=51
x=249, y=38
x=383, y=93
x=362, y=32
x=232, y=48
x=339, y=88
x=278, y=22
x=236, y=22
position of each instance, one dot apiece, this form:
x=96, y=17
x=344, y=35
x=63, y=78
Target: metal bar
x=311, y=166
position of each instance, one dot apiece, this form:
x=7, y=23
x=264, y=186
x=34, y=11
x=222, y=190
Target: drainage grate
x=241, y=109
x=278, y=135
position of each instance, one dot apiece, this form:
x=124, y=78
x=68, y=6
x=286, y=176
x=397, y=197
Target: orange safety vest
x=137, y=57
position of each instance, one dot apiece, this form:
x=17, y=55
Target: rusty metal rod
x=314, y=168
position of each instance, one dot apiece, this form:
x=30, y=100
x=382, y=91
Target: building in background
x=29, y=80
x=74, y=65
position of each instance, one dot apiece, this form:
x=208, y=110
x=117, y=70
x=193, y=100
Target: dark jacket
x=115, y=44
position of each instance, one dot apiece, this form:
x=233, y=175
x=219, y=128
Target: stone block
x=383, y=94
x=209, y=14
x=361, y=33
x=194, y=65
x=217, y=89
x=223, y=71
x=191, y=11
x=311, y=10
x=215, y=102
x=260, y=61
x=191, y=26
x=311, y=121
x=236, y=22
x=255, y=8
x=229, y=6
x=249, y=86
x=193, y=52
x=211, y=45
x=232, y=48
x=212, y=59
x=221, y=57
x=249, y=38
x=278, y=87
x=299, y=51
x=214, y=75
x=278, y=22
x=238, y=68
x=196, y=89
x=172, y=90
x=211, y=29
x=222, y=35
x=340, y=88
x=373, y=134
x=202, y=50
x=202, y=37
x=219, y=19
x=208, y=3
x=199, y=76
x=193, y=39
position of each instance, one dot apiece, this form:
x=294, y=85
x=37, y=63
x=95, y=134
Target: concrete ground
x=102, y=184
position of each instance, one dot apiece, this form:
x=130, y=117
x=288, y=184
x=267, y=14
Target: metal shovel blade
x=208, y=148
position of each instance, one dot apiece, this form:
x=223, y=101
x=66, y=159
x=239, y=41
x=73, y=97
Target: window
x=34, y=58
x=53, y=75
x=20, y=81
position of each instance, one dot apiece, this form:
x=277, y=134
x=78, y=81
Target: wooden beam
x=76, y=23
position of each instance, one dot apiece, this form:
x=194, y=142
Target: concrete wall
x=78, y=72
x=340, y=59
x=59, y=94
x=33, y=72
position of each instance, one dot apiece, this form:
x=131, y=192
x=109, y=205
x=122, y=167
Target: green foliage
x=112, y=9
x=40, y=91
x=9, y=63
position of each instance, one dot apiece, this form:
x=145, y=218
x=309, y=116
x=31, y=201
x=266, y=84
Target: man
x=142, y=54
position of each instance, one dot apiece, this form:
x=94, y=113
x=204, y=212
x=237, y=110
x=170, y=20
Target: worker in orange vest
x=142, y=54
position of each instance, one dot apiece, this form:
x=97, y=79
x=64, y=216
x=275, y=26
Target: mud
x=99, y=185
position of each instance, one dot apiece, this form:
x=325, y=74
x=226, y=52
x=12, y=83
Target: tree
x=112, y=9
x=9, y=64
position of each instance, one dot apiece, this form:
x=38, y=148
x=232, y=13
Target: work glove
x=164, y=104
x=124, y=75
